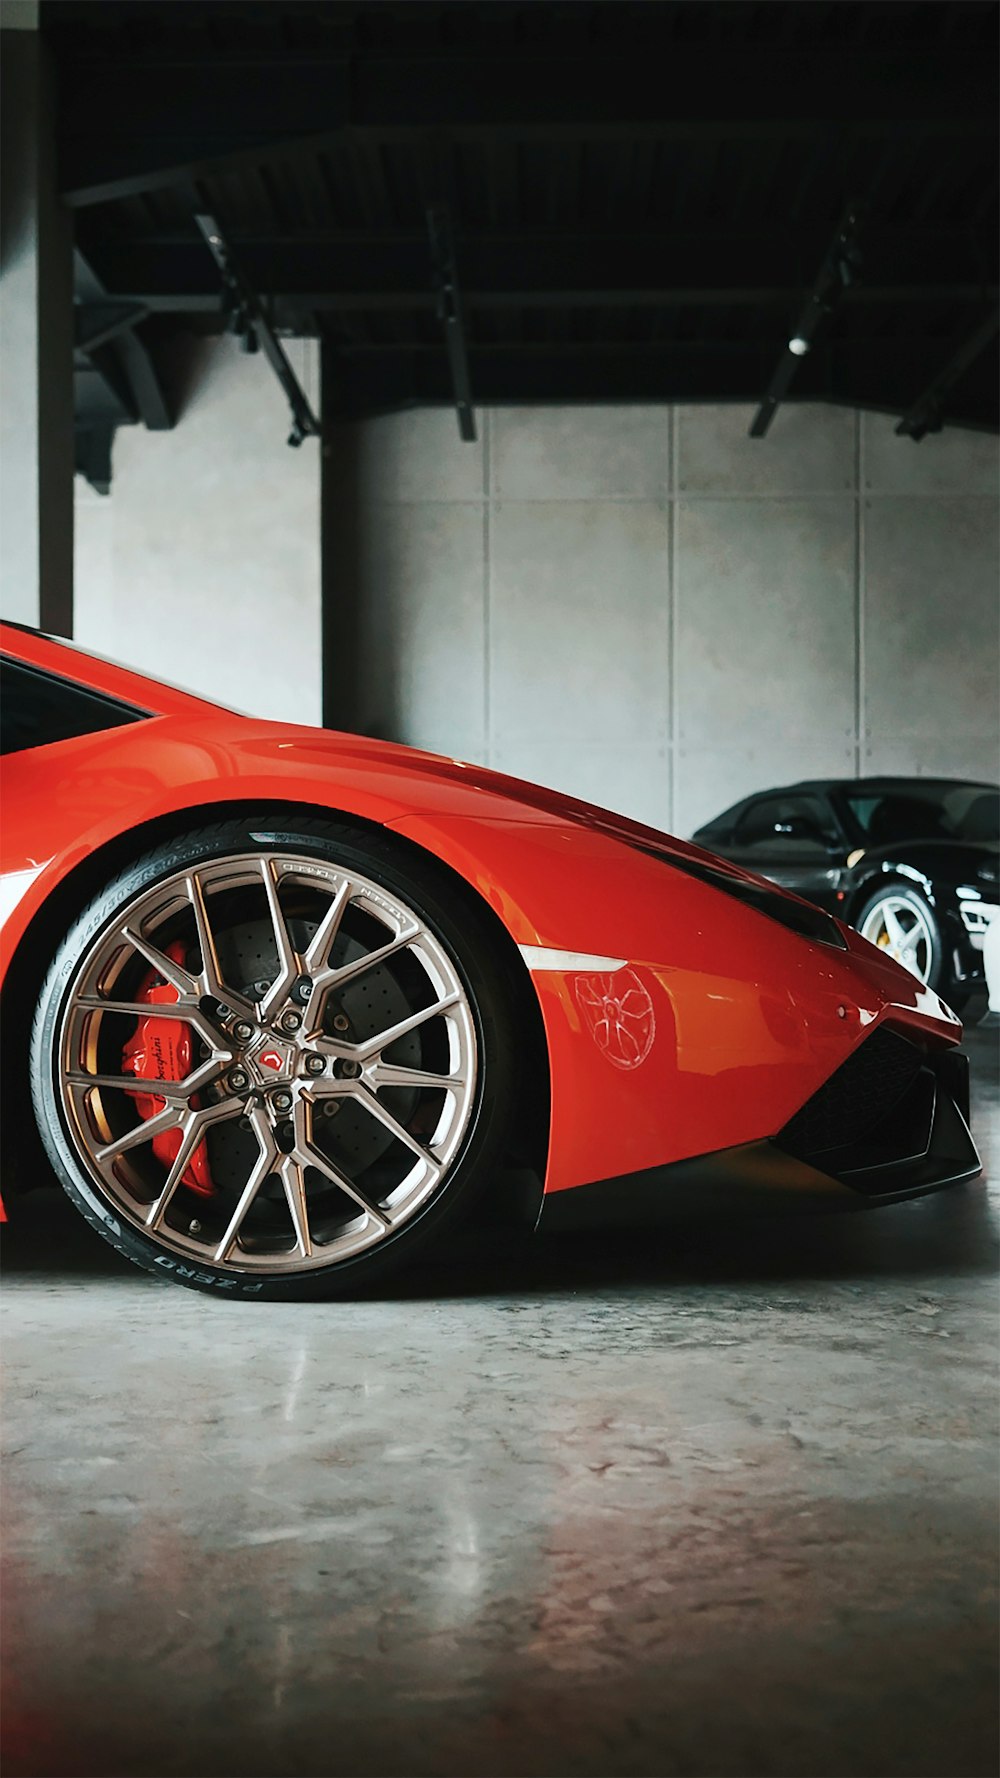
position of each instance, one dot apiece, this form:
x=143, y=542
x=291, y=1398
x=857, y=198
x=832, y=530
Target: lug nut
x=282, y=1101
x=303, y=991
x=290, y=1021
x=350, y=1070
x=243, y=1032
x=315, y=1065
x=342, y=1022
x=239, y=1080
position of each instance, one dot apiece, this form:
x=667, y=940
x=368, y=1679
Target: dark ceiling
x=640, y=198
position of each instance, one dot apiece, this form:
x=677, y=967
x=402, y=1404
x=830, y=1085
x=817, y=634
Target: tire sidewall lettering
x=196, y=1277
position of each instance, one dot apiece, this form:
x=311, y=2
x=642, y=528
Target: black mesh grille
x=859, y=1095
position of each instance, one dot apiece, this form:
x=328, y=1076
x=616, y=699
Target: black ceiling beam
x=837, y=274
x=108, y=342
x=248, y=316
x=92, y=444
x=387, y=272
x=377, y=379
x=291, y=308
x=128, y=128
x=97, y=322
x=448, y=297
x=927, y=413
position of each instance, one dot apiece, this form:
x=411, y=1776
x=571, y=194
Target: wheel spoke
x=393, y=1125
x=294, y=1182
x=384, y=1039
x=139, y=1009
x=211, y=974
x=339, y=978
x=174, y=973
x=157, y=1009
x=193, y=1131
x=170, y=1118
x=131, y=1083
x=317, y=954
x=894, y=927
x=314, y=1157
x=202, y=1076
x=388, y=1074
x=258, y=1173
x=287, y=958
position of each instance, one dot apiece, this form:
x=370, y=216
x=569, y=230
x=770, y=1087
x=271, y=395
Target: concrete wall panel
x=765, y=616
x=931, y=617
x=935, y=756
x=421, y=658
x=202, y=565
x=808, y=450
x=629, y=778
x=949, y=462
x=580, y=453
x=579, y=622
x=417, y=455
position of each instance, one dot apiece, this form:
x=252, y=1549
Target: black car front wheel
x=274, y=1058
x=902, y=923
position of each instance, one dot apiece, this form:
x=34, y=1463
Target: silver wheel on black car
x=265, y=1059
x=900, y=922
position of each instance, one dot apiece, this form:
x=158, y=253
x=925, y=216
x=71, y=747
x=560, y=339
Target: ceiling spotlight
x=798, y=345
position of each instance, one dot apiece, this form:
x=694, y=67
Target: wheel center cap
x=271, y=1060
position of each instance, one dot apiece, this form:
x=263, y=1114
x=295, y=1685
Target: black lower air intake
x=892, y=1119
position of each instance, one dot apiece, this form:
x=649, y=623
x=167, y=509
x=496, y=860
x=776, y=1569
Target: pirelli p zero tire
x=275, y=1057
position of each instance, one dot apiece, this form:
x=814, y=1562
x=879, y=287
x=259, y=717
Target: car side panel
x=702, y=1024
x=731, y=1021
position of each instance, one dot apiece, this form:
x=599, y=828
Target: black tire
x=900, y=891
x=450, y=915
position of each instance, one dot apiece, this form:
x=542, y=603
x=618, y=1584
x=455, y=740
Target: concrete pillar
x=36, y=340
x=340, y=567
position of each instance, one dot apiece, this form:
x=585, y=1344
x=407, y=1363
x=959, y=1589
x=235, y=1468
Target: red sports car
x=285, y=1002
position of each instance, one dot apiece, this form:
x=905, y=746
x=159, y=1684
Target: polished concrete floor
x=722, y=1502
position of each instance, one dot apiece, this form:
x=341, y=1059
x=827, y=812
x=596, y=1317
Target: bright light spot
x=798, y=345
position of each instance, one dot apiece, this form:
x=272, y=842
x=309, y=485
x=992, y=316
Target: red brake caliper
x=160, y=1049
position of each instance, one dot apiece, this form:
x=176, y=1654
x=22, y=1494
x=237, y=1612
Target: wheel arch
x=885, y=876
x=33, y=952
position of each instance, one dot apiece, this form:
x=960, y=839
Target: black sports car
x=912, y=863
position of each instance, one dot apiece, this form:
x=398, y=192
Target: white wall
x=647, y=608
x=202, y=566
x=642, y=606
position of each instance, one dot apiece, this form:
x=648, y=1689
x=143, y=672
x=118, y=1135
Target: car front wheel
x=273, y=1057
x=900, y=922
